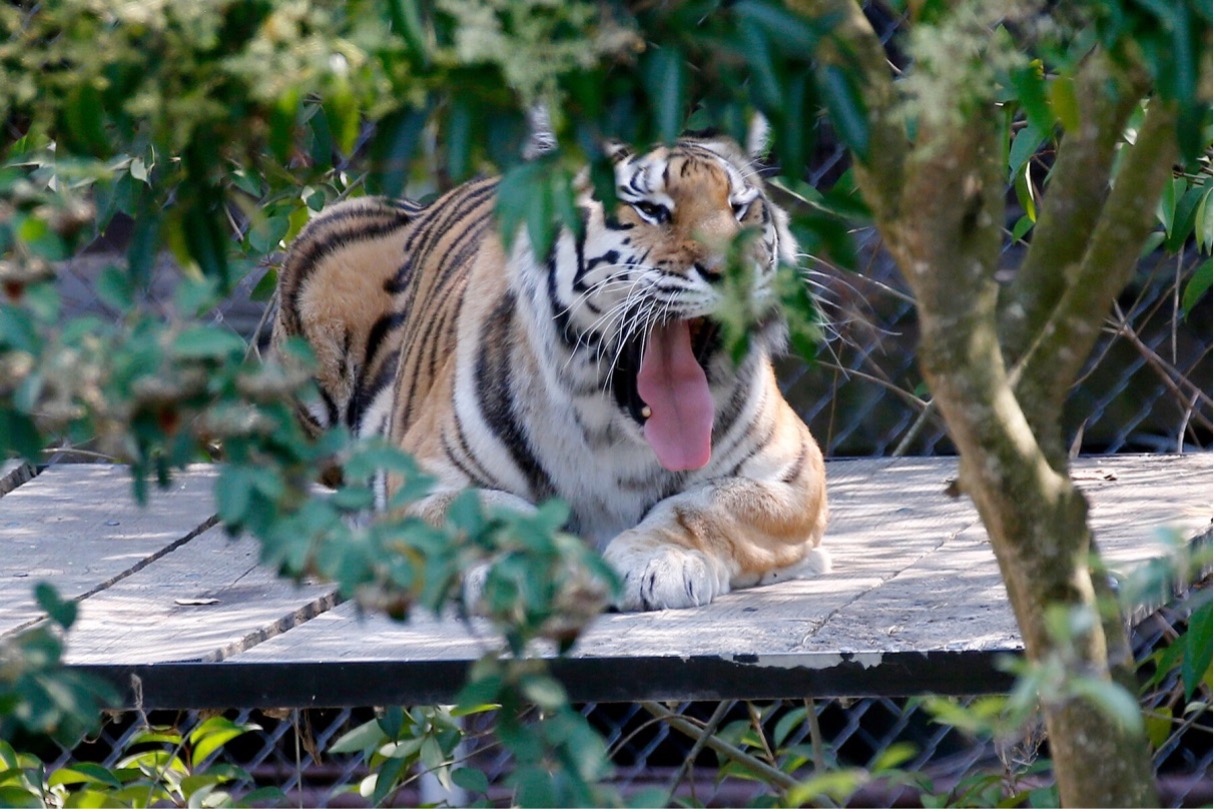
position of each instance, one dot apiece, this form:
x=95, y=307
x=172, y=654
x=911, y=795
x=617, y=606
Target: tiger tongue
x=674, y=386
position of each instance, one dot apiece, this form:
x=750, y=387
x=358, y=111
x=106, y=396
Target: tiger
x=595, y=373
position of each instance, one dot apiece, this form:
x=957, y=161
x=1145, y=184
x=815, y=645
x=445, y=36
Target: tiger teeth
x=646, y=412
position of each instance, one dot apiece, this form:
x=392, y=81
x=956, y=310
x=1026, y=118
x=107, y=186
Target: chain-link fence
x=1147, y=388
x=910, y=758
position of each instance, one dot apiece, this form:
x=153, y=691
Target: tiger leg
x=434, y=508
x=731, y=532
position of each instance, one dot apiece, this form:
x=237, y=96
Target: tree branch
x=1055, y=358
x=1080, y=180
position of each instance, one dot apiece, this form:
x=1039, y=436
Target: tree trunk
x=939, y=205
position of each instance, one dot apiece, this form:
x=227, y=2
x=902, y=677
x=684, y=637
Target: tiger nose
x=710, y=272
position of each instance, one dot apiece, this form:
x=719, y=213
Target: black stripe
x=382, y=327
x=303, y=264
x=497, y=399
x=580, y=244
x=439, y=219
x=561, y=314
x=468, y=472
x=328, y=243
x=366, y=392
x=792, y=475
x=398, y=282
x=734, y=406
x=483, y=475
x=585, y=266
x=772, y=429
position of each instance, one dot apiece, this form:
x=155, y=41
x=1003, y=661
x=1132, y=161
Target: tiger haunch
x=595, y=375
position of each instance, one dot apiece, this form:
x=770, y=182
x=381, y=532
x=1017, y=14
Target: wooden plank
x=915, y=603
x=875, y=532
x=200, y=602
x=78, y=527
x=913, y=573
x=14, y=473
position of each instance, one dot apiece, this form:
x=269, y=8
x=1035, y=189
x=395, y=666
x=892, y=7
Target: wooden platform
x=182, y=616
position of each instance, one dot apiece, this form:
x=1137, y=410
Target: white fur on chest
x=597, y=461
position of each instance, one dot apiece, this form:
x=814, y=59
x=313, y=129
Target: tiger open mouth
x=662, y=381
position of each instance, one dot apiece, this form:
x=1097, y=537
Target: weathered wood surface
x=77, y=527
x=14, y=473
x=914, y=603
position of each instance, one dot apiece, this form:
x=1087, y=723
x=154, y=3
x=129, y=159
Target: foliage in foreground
x=214, y=130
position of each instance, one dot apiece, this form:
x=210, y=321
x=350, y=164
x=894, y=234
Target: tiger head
x=640, y=289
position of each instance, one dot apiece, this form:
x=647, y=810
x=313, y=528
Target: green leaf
x=266, y=233
x=837, y=784
x=484, y=690
x=666, y=78
x=83, y=773
x=114, y=289
x=1024, y=189
x=20, y=798
x=787, y=724
x=462, y=120
x=388, y=779
x=539, y=217
x=202, y=343
x=471, y=779
x=365, y=737
x=392, y=721
x=1062, y=94
x=263, y=291
x=1111, y=699
x=341, y=111
x=1025, y=144
x=512, y=201
x=283, y=116
x=534, y=788
x=233, y=494
x=846, y=108
x=1197, y=652
x=656, y=798
x=1154, y=241
x=431, y=754
x=61, y=611
x=213, y=734
x=792, y=32
x=392, y=150
x=409, y=22
x=85, y=119
x=19, y=435
x=1158, y=729
x=38, y=237
x=1203, y=220
x=1032, y=95
x=894, y=756
x=1199, y=284
x=546, y=692
x=17, y=329
x=1166, y=206
x=1021, y=228
x=206, y=242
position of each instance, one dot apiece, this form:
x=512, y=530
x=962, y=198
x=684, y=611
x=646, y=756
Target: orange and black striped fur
x=596, y=375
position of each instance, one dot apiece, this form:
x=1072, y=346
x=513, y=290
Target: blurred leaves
x=211, y=132
x=37, y=695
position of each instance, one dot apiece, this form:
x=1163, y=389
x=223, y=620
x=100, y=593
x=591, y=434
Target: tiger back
x=596, y=374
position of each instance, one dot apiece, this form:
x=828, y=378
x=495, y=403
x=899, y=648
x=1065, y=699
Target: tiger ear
x=759, y=138
x=617, y=151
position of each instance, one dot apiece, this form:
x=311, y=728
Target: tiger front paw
x=663, y=576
